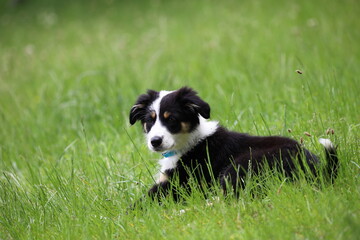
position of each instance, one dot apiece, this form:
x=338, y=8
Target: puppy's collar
x=169, y=154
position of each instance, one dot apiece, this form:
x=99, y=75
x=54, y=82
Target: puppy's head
x=169, y=118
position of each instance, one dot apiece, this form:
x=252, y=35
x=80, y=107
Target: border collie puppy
x=175, y=124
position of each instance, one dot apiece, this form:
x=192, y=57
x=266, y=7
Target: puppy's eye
x=172, y=119
x=149, y=119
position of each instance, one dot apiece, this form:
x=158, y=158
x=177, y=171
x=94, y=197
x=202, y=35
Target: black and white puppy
x=175, y=124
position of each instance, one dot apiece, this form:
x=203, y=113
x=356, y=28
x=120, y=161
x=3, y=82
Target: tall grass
x=70, y=72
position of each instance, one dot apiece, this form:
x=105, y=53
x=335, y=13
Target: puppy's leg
x=159, y=190
x=162, y=190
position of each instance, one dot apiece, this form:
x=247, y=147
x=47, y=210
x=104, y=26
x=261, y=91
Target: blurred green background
x=71, y=70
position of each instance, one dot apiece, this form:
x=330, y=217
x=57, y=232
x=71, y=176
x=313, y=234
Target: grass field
x=70, y=71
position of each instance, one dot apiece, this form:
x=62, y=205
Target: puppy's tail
x=332, y=159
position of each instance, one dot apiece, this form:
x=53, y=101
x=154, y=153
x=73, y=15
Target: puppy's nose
x=156, y=141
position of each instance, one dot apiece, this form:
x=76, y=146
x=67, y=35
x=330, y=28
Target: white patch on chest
x=167, y=164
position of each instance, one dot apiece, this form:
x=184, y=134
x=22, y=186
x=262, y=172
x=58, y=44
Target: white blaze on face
x=158, y=129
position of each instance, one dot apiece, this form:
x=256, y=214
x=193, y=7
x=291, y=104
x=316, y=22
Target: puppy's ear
x=189, y=99
x=138, y=111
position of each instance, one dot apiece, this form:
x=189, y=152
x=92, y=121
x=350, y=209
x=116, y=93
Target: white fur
x=326, y=143
x=168, y=163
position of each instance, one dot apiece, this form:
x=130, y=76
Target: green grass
x=70, y=71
